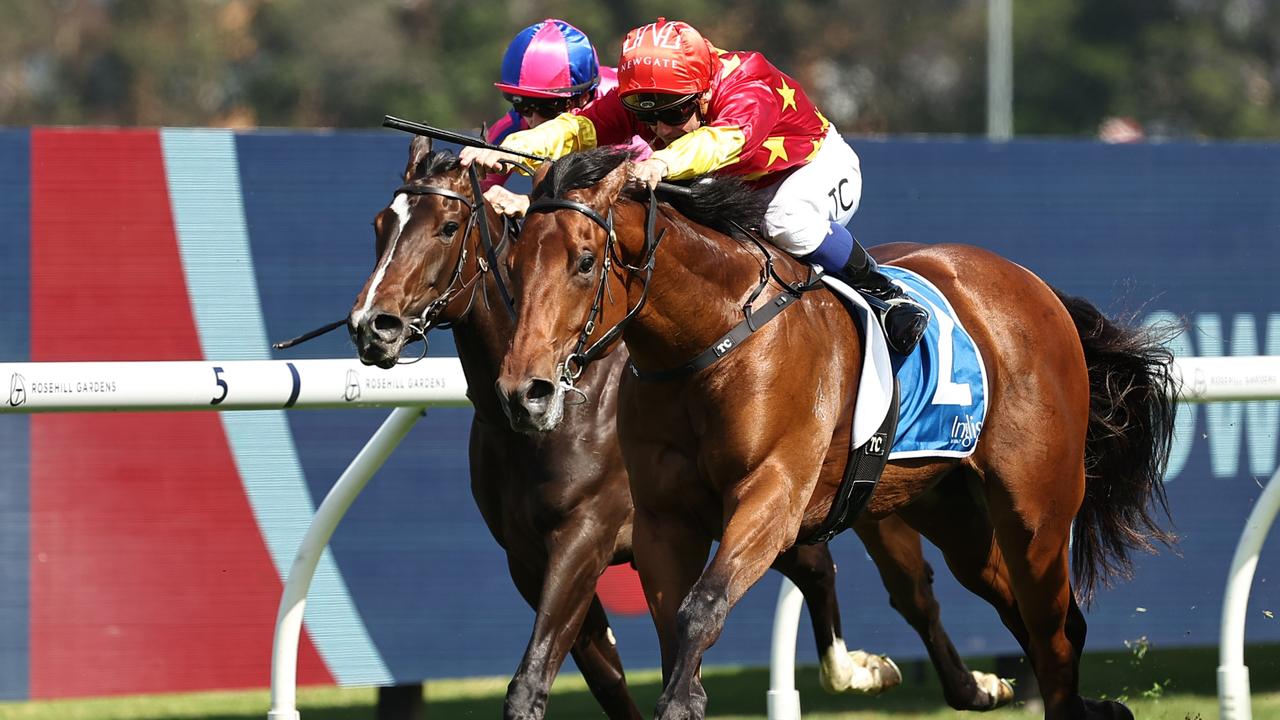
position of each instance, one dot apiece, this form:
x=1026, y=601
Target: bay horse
x=750, y=450
x=563, y=511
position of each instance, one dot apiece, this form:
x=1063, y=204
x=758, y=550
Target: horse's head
x=424, y=274
x=567, y=283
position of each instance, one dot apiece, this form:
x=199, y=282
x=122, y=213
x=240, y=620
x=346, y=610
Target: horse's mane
x=717, y=201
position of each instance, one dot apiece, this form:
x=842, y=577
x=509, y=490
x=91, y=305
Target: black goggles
x=666, y=109
x=526, y=106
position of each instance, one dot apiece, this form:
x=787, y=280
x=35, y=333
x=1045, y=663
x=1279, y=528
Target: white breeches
x=803, y=206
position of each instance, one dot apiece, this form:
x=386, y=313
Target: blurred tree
x=1179, y=68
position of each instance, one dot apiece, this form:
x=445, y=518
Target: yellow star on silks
x=788, y=95
x=777, y=149
x=730, y=63
x=812, y=154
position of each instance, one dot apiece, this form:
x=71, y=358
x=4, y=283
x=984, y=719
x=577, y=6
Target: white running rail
x=255, y=385
x=298, y=384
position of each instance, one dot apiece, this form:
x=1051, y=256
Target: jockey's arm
x=552, y=139
x=742, y=123
x=702, y=151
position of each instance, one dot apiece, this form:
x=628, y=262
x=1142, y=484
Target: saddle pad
x=943, y=383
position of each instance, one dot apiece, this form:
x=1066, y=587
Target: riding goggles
x=652, y=108
x=527, y=107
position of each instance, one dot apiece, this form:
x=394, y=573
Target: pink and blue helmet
x=549, y=59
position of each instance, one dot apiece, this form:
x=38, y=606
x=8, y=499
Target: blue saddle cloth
x=942, y=385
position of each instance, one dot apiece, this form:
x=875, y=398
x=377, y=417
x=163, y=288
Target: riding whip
x=417, y=128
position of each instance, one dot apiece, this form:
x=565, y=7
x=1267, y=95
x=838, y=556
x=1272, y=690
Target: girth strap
x=861, y=475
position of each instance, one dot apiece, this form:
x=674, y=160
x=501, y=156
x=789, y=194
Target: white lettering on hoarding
x=1228, y=425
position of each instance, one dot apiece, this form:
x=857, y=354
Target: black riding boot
x=903, y=319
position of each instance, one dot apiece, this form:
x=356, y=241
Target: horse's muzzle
x=532, y=405
x=379, y=337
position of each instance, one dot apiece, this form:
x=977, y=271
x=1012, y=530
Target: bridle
x=573, y=365
x=427, y=319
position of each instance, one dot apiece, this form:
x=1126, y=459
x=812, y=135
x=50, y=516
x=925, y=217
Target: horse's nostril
x=387, y=326
x=539, y=389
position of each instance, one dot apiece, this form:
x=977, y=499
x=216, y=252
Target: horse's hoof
x=861, y=673
x=997, y=688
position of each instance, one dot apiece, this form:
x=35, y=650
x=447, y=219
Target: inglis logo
x=17, y=390
x=965, y=430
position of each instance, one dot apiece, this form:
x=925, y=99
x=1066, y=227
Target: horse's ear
x=608, y=189
x=418, y=149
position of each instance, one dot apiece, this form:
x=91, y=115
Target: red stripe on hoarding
x=148, y=572
x=620, y=591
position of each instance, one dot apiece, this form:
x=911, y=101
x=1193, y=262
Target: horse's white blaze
x=400, y=206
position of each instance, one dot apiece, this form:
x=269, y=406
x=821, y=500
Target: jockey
x=706, y=110
x=549, y=67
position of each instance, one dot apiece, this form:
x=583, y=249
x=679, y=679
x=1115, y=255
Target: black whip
x=436, y=133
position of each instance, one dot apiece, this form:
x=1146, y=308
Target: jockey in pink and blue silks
x=549, y=68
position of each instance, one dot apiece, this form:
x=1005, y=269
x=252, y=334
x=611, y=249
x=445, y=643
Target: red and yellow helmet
x=665, y=58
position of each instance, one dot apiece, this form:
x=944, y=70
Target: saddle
x=937, y=410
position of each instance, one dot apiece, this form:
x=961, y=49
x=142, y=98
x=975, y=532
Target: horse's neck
x=696, y=293
x=481, y=337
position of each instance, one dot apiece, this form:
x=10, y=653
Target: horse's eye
x=586, y=262
x=449, y=228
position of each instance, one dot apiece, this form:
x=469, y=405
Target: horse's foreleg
x=895, y=548
x=760, y=522
x=670, y=552
x=813, y=571
x=562, y=593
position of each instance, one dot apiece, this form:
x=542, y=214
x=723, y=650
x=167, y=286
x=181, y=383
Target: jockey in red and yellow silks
x=705, y=110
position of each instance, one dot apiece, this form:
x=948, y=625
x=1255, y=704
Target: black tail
x=1131, y=414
